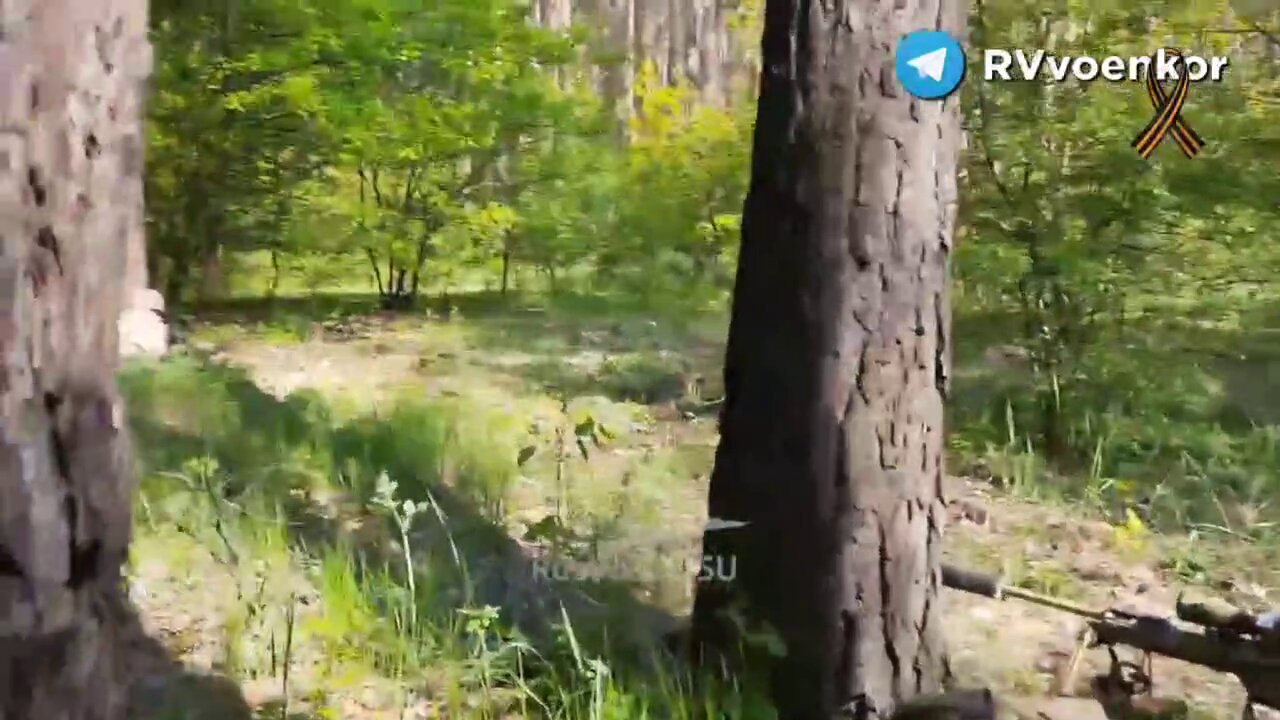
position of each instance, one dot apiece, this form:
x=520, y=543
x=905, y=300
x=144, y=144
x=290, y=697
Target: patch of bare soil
x=1023, y=649
x=362, y=366
x=195, y=634
x=1014, y=647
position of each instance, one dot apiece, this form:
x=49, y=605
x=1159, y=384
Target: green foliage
x=453, y=146
x=1101, y=266
x=691, y=160
x=440, y=144
x=359, y=528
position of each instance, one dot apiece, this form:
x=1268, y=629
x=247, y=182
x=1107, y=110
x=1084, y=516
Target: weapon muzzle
x=971, y=582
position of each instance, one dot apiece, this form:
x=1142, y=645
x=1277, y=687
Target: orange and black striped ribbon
x=1168, y=112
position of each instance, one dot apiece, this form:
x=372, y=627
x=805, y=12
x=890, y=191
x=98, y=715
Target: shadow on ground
x=567, y=345
x=260, y=451
x=592, y=308
x=163, y=688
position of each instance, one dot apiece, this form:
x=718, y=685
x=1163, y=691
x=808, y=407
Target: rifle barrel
x=971, y=581
x=1255, y=663
x=990, y=586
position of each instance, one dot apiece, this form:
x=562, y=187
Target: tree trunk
x=836, y=371
x=377, y=274
x=419, y=260
x=506, y=271
x=177, y=277
x=617, y=86
x=274, y=283
x=74, y=74
x=213, y=277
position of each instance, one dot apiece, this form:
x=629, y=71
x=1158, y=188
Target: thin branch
x=983, y=111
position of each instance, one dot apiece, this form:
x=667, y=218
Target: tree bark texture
x=71, y=220
x=837, y=368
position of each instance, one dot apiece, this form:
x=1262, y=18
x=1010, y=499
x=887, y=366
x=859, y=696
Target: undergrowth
x=343, y=551
x=1168, y=432
x=358, y=544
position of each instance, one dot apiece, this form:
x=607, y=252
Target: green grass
x=1158, y=416
x=350, y=550
x=394, y=518
x=1179, y=412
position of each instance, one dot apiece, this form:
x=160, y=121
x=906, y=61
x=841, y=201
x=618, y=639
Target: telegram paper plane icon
x=931, y=64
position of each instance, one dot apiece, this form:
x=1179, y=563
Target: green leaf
x=549, y=528
x=526, y=453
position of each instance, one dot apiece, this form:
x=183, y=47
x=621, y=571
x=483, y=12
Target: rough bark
x=837, y=368
x=71, y=148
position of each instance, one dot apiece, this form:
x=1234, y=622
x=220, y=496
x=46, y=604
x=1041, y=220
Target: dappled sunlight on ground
x=518, y=442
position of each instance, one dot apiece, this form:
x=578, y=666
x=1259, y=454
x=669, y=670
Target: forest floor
x=263, y=443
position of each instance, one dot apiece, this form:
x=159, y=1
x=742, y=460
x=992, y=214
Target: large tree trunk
x=836, y=369
x=71, y=197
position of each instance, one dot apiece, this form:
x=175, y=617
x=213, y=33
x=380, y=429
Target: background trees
x=280, y=135
x=1114, y=319
x=1099, y=266
x=549, y=148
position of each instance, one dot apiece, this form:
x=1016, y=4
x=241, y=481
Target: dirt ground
x=1014, y=647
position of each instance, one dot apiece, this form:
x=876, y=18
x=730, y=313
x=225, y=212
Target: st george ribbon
x=1168, y=115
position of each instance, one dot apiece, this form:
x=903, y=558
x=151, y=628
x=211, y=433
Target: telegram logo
x=930, y=64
